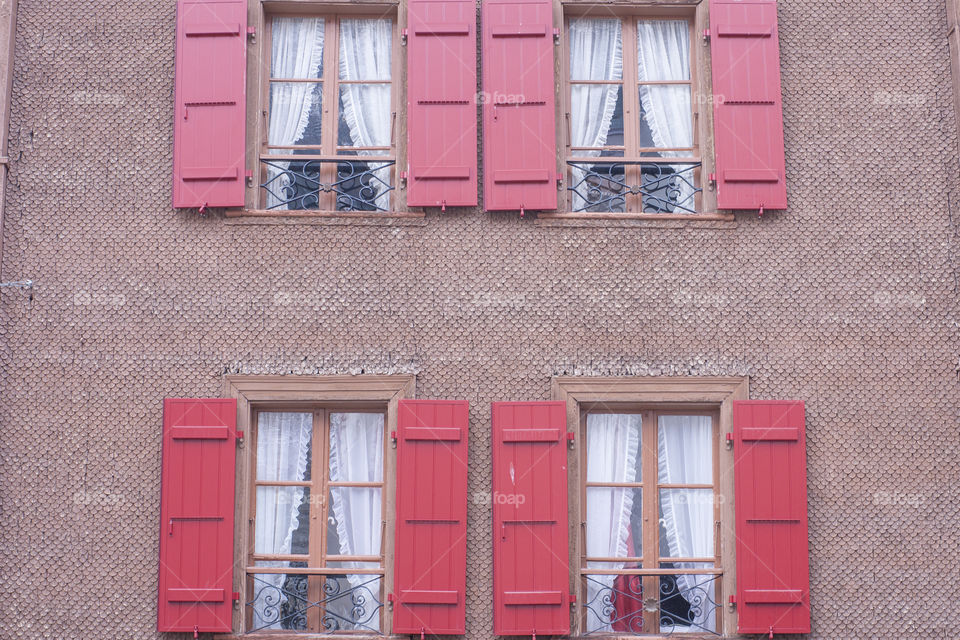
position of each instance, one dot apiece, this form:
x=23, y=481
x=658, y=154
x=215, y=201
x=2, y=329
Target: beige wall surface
x=848, y=300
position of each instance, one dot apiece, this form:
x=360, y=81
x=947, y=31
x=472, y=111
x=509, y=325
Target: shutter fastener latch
x=760, y=215
x=771, y=632
x=730, y=446
x=252, y=33
x=556, y=36
x=393, y=438
x=403, y=37
x=733, y=602
x=706, y=35
x=196, y=631
x=571, y=439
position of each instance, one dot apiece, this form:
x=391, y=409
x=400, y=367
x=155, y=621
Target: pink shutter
x=442, y=103
x=209, y=130
x=519, y=130
x=748, y=113
x=770, y=477
x=196, y=515
x=531, y=570
x=431, y=531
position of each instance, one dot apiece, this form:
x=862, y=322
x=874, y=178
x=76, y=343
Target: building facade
x=452, y=318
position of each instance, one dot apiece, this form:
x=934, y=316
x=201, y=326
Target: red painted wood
x=196, y=515
x=531, y=567
x=773, y=575
x=519, y=139
x=747, y=113
x=431, y=534
x=442, y=103
x=209, y=132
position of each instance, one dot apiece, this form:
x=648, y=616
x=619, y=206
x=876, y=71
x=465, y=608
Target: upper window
x=632, y=144
x=650, y=561
x=329, y=108
x=317, y=558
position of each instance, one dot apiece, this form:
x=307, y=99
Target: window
x=317, y=558
x=631, y=127
x=329, y=136
x=649, y=510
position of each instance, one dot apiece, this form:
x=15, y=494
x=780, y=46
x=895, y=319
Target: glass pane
x=296, y=110
x=356, y=447
x=614, y=526
x=278, y=601
x=686, y=445
x=686, y=523
x=283, y=446
x=666, y=117
x=297, y=50
x=596, y=116
x=283, y=520
x=688, y=603
x=596, y=49
x=663, y=50
x=354, y=521
x=352, y=603
x=364, y=115
x=613, y=447
x=365, y=48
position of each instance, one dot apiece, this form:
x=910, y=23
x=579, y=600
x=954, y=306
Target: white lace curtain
x=356, y=455
x=596, y=53
x=663, y=54
x=613, y=448
x=365, y=49
x=297, y=53
x=283, y=441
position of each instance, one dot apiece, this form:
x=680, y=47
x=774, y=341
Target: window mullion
x=631, y=109
x=329, y=118
x=317, y=515
x=651, y=519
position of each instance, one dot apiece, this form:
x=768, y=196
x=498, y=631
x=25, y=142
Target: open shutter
x=773, y=575
x=431, y=532
x=531, y=569
x=747, y=113
x=210, y=121
x=519, y=132
x=196, y=515
x=442, y=103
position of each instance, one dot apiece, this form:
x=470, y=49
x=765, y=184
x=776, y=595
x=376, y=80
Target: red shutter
x=747, y=113
x=431, y=536
x=531, y=570
x=773, y=575
x=196, y=515
x=442, y=103
x=210, y=120
x=519, y=132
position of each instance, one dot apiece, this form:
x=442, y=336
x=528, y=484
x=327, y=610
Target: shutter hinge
x=712, y=178
x=249, y=178
x=403, y=37
x=252, y=34
x=706, y=35
x=571, y=439
x=556, y=36
x=733, y=602
x=559, y=182
x=393, y=439
x=403, y=179
x=573, y=599
x=730, y=446
x=240, y=438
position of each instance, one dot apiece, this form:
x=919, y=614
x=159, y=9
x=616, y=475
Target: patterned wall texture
x=849, y=300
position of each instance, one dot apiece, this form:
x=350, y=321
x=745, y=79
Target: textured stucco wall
x=848, y=300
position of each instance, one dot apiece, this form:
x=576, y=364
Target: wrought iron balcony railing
x=283, y=602
x=677, y=604
x=333, y=184
x=615, y=185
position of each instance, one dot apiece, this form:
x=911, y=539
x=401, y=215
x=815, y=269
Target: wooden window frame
x=260, y=14
x=303, y=393
x=693, y=11
x=711, y=395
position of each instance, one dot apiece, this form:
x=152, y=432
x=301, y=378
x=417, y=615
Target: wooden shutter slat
x=531, y=565
x=748, y=114
x=442, y=103
x=196, y=515
x=209, y=137
x=773, y=575
x=431, y=533
x=519, y=123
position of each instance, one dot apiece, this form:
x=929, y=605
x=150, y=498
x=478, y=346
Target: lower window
x=649, y=554
x=317, y=561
